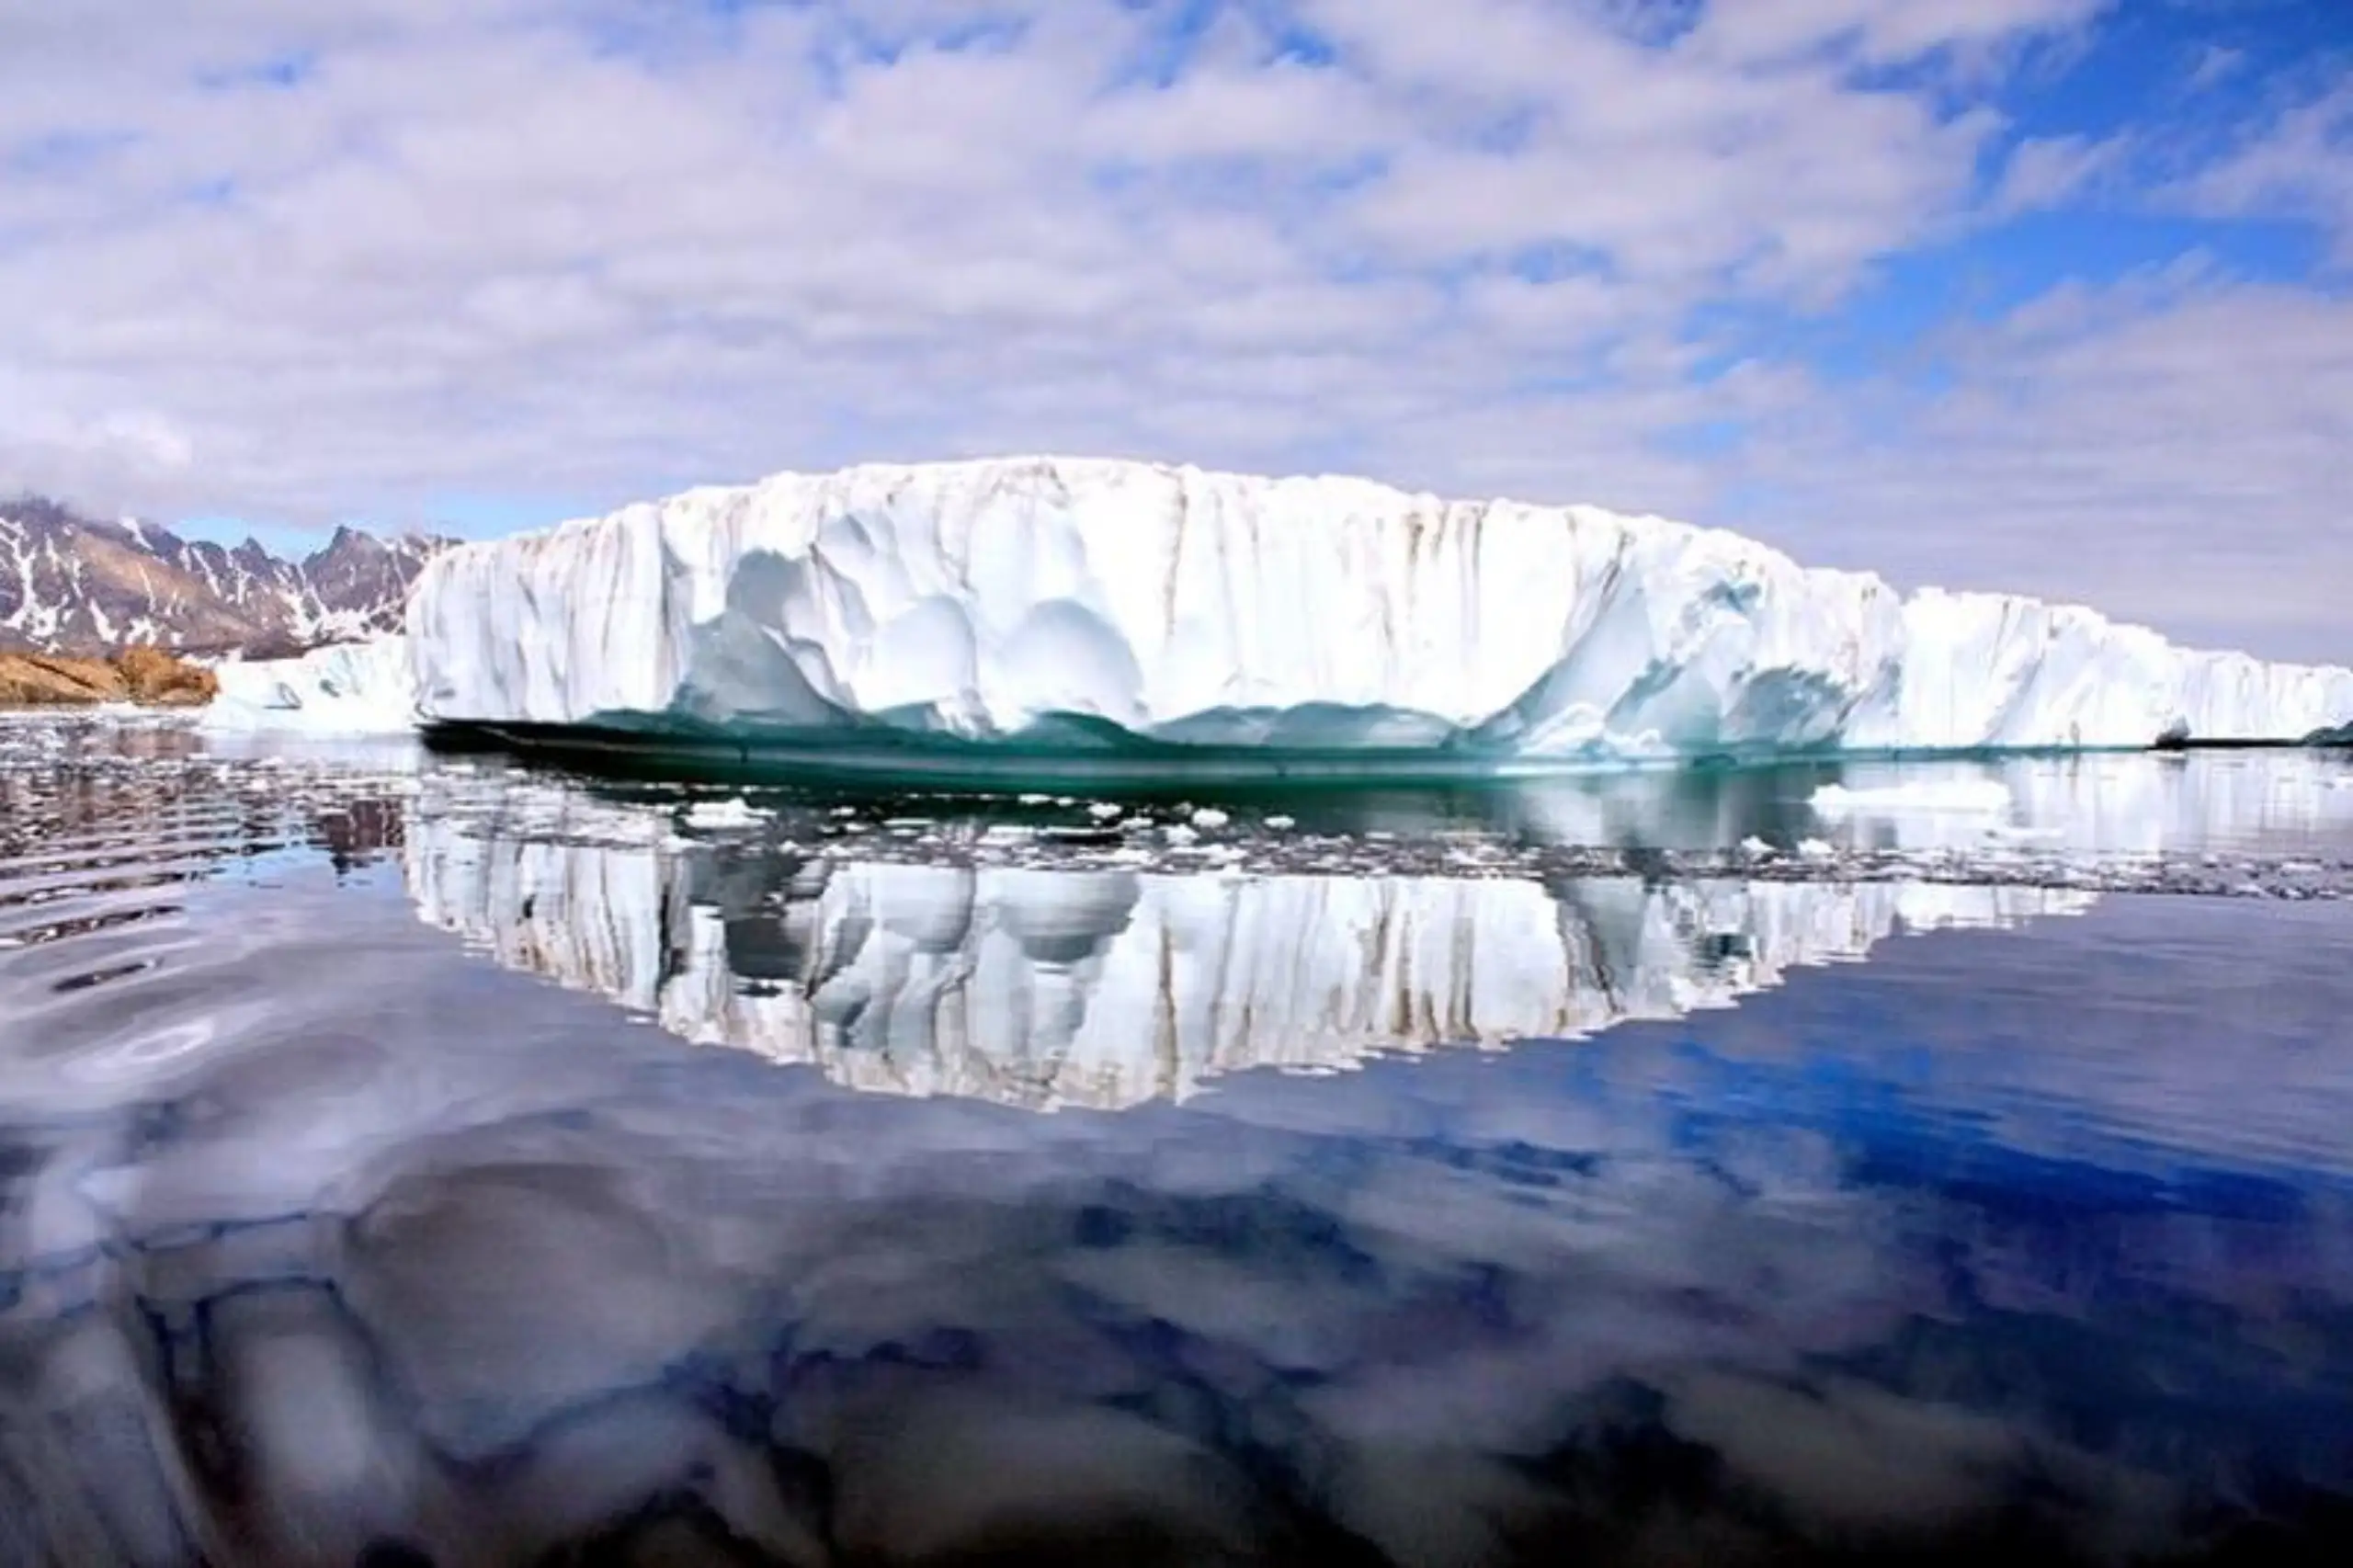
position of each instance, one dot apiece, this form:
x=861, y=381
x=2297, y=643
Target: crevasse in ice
x=1058, y=600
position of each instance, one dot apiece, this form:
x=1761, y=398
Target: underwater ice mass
x=1063, y=608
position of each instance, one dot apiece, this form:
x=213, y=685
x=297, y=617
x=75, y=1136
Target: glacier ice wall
x=1062, y=601
x=1105, y=989
x=345, y=689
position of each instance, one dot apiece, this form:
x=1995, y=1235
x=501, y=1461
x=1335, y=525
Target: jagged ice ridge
x=1056, y=601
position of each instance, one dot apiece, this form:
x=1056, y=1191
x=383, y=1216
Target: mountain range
x=76, y=584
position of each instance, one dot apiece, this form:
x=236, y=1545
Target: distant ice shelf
x=346, y=689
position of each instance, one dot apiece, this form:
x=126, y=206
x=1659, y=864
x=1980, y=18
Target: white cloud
x=2130, y=446
x=1885, y=31
x=2215, y=65
x=2045, y=172
x=2298, y=166
x=601, y=248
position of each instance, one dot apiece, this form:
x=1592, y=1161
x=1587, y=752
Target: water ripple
x=505, y=1168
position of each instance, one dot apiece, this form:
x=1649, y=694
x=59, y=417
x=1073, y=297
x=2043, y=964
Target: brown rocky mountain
x=141, y=675
x=76, y=584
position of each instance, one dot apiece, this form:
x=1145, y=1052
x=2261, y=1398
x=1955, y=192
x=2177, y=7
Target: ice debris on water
x=1209, y=818
x=735, y=813
x=2126, y=824
x=1105, y=811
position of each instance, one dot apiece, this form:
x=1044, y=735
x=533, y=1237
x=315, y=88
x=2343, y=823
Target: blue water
x=401, y=1162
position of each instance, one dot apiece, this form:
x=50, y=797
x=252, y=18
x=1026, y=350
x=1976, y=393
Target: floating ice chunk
x=1105, y=811
x=1755, y=848
x=1278, y=822
x=1210, y=818
x=734, y=812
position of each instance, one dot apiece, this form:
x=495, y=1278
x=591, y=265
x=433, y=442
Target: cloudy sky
x=2054, y=295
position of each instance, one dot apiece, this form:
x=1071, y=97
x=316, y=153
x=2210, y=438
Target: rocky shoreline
x=145, y=676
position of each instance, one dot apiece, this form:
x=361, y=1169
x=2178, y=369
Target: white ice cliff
x=345, y=689
x=1106, y=989
x=1004, y=600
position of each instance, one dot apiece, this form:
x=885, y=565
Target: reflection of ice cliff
x=2099, y=805
x=1107, y=988
x=2009, y=1251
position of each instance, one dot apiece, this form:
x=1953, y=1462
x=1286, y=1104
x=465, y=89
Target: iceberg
x=1106, y=989
x=345, y=689
x=1059, y=607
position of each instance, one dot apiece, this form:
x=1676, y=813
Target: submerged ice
x=1068, y=603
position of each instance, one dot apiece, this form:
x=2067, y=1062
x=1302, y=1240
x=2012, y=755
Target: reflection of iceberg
x=1107, y=988
x=418, y=1260
x=1937, y=797
x=1077, y=605
x=2279, y=801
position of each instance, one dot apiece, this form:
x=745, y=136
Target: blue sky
x=2049, y=295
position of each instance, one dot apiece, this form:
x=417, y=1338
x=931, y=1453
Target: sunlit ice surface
x=444, y=1161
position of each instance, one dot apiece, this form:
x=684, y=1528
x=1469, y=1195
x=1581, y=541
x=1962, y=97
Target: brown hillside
x=138, y=675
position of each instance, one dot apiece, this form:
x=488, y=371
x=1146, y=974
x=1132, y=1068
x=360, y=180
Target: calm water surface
x=405, y=1161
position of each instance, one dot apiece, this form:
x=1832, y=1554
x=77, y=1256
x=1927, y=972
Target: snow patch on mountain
x=77, y=585
x=1056, y=600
